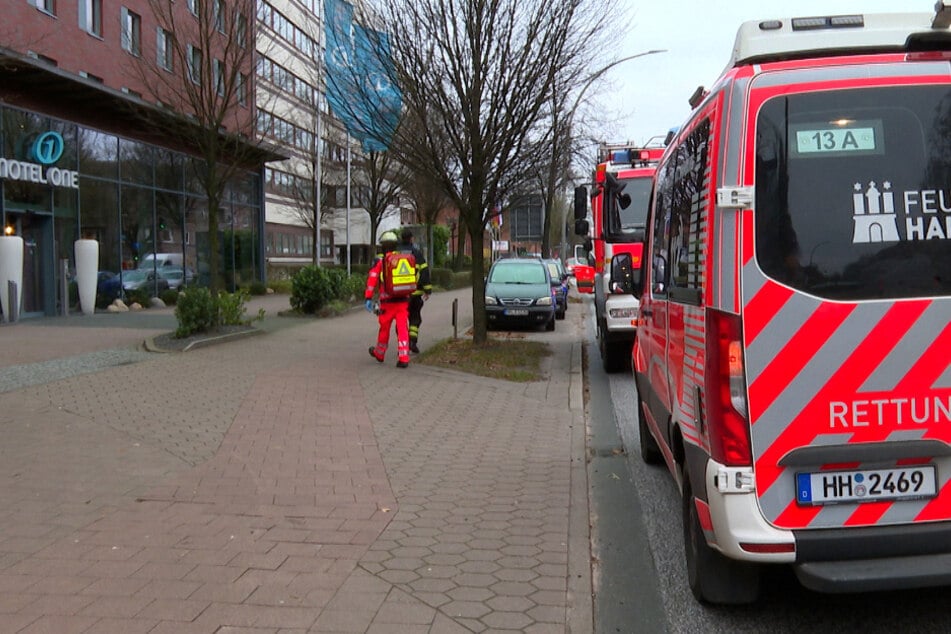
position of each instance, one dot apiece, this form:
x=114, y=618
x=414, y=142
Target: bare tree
x=203, y=78
x=384, y=180
x=429, y=202
x=479, y=77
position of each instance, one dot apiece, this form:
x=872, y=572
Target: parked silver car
x=143, y=279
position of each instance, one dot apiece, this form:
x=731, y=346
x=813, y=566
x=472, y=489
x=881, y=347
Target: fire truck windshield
x=634, y=217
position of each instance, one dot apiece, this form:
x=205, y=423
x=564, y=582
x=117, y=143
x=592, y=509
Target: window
x=43, y=58
x=219, y=72
x=163, y=48
x=47, y=6
x=242, y=89
x=90, y=16
x=194, y=64
x=90, y=76
x=220, y=15
x=688, y=211
x=867, y=219
x=131, y=32
x=242, y=30
x=193, y=6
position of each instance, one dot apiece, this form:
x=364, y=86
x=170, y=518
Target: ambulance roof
x=790, y=38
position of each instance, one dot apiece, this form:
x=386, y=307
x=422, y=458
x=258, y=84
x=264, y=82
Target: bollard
x=455, y=315
x=14, y=307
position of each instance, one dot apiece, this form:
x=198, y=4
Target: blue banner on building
x=359, y=89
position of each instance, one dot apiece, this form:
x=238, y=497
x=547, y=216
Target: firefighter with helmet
x=424, y=287
x=393, y=307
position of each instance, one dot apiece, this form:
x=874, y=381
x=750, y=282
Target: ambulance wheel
x=650, y=451
x=714, y=578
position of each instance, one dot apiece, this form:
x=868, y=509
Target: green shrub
x=282, y=286
x=337, y=278
x=311, y=289
x=140, y=296
x=354, y=288
x=257, y=287
x=196, y=311
x=231, y=308
x=449, y=279
x=169, y=296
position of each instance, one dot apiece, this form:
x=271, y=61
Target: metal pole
x=64, y=287
x=317, y=142
x=348, y=204
x=14, y=315
x=455, y=318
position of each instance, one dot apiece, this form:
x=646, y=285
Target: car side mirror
x=581, y=227
x=581, y=203
x=659, y=273
x=622, y=274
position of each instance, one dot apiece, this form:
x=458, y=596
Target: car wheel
x=650, y=451
x=714, y=578
x=615, y=357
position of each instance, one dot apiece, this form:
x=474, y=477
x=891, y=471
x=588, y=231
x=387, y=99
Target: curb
x=150, y=345
x=580, y=617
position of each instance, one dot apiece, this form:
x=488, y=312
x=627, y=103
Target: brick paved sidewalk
x=288, y=483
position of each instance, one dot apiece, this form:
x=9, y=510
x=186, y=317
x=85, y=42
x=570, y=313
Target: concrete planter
x=87, y=270
x=11, y=269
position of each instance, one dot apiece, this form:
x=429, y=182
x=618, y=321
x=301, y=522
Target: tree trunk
x=214, y=249
x=479, y=322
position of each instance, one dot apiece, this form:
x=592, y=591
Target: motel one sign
x=46, y=150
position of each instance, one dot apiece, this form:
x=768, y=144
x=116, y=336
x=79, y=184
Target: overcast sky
x=652, y=91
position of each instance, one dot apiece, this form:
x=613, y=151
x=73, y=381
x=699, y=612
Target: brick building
x=76, y=99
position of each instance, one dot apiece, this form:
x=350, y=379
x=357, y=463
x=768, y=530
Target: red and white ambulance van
x=793, y=351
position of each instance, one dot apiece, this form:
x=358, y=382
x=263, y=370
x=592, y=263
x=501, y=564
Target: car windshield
x=513, y=273
x=857, y=208
x=554, y=272
x=135, y=275
x=634, y=216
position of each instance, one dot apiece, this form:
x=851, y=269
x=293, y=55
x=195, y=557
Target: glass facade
x=133, y=197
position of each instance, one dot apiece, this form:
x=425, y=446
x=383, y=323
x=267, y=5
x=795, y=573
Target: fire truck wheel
x=650, y=452
x=614, y=356
x=712, y=577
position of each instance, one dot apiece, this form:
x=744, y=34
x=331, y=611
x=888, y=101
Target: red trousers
x=397, y=311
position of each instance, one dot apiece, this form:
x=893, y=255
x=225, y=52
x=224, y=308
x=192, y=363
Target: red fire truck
x=619, y=201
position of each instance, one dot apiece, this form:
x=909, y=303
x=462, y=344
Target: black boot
x=412, y=346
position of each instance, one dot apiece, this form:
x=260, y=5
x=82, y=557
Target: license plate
x=866, y=485
x=516, y=312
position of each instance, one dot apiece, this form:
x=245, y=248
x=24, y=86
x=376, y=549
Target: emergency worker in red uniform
x=392, y=309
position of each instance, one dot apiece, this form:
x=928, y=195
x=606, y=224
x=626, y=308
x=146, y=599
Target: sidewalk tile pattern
x=284, y=484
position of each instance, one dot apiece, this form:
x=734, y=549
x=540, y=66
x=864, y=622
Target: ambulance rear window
x=853, y=192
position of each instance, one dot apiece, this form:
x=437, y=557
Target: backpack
x=399, y=274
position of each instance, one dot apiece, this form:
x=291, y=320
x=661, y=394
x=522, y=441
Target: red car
x=584, y=278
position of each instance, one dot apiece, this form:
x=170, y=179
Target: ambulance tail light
x=725, y=408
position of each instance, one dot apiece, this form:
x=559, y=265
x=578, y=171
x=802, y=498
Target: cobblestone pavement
x=286, y=483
